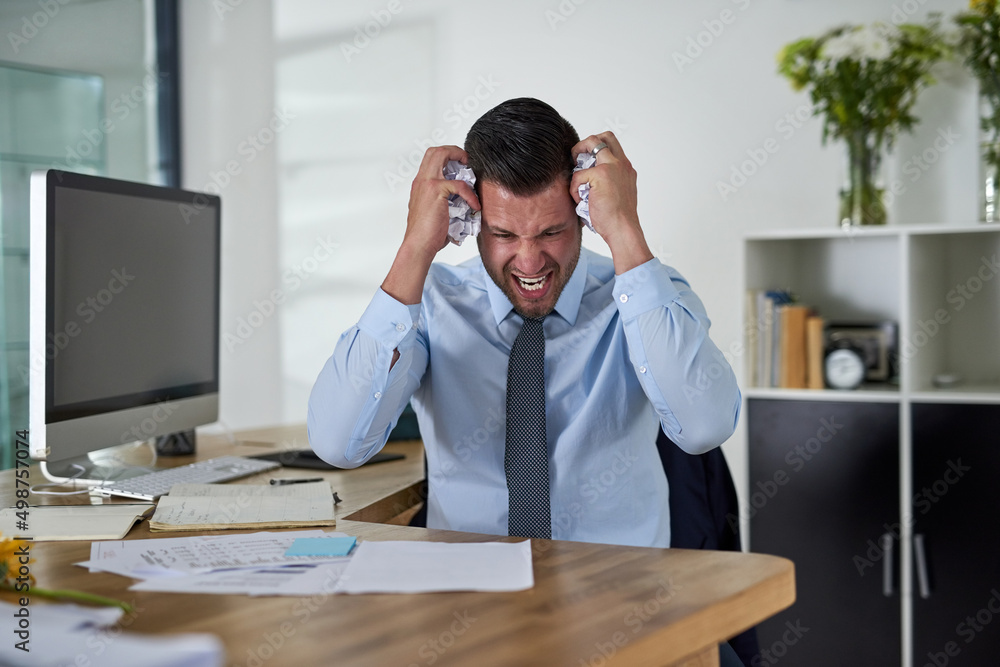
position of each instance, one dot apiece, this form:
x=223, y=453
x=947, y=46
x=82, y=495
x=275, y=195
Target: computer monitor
x=123, y=317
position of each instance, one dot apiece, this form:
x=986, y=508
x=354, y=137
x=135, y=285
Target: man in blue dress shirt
x=626, y=340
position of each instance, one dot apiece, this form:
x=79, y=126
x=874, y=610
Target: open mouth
x=532, y=284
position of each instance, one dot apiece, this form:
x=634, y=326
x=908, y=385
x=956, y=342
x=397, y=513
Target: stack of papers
x=256, y=564
x=302, y=563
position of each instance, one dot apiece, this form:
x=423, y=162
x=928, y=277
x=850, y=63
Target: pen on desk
x=283, y=482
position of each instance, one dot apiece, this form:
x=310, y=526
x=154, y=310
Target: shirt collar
x=568, y=305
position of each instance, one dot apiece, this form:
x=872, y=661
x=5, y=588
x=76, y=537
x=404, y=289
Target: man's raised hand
x=426, y=223
x=427, y=220
x=613, y=201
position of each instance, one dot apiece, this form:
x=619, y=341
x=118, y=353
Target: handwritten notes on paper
x=216, y=506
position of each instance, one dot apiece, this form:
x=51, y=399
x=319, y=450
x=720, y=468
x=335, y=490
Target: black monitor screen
x=134, y=309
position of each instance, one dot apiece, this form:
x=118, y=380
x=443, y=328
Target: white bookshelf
x=874, y=394
x=937, y=282
x=941, y=286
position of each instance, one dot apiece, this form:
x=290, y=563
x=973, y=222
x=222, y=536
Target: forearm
x=405, y=280
x=377, y=365
x=426, y=223
x=359, y=394
x=628, y=247
x=685, y=376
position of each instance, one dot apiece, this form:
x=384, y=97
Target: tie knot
x=531, y=330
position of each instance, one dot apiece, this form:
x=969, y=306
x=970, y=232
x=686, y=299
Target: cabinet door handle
x=888, y=556
x=921, y=557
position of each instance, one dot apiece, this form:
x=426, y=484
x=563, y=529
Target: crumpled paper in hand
x=462, y=219
x=585, y=161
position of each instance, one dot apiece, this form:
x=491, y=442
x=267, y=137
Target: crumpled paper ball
x=585, y=161
x=463, y=221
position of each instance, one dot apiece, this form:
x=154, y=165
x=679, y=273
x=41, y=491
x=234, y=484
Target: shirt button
x=400, y=327
x=378, y=394
x=623, y=298
x=642, y=369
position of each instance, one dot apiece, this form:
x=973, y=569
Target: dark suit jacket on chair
x=704, y=512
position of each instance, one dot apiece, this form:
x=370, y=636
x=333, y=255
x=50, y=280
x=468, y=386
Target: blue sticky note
x=321, y=546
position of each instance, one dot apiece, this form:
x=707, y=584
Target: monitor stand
x=96, y=468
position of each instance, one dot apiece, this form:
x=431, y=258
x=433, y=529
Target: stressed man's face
x=529, y=245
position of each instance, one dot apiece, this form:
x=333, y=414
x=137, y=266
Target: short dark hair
x=522, y=145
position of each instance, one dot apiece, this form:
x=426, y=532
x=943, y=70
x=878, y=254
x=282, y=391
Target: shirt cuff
x=644, y=288
x=387, y=320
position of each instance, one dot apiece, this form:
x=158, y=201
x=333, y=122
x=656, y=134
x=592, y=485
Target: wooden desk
x=590, y=603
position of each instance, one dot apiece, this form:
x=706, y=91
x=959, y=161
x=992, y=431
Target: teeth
x=532, y=284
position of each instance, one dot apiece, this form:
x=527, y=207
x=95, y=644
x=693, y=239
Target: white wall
x=227, y=99
x=607, y=65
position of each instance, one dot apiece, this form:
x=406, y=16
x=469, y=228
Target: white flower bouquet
x=979, y=44
x=863, y=82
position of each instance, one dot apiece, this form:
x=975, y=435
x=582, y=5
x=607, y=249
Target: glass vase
x=989, y=157
x=861, y=198
x=989, y=183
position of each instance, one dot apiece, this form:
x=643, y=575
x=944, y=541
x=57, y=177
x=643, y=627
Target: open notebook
x=219, y=506
x=54, y=523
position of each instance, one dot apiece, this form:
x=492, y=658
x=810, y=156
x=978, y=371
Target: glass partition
x=44, y=119
x=91, y=89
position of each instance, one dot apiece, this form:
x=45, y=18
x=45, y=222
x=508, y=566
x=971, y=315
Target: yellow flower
x=7, y=549
x=11, y=550
x=9, y=564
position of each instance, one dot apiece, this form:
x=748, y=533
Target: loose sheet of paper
x=72, y=635
x=426, y=567
x=288, y=580
x=143, y=559
x=224, y=504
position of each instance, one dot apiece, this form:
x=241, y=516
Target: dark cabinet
x=824, y=492
x=956, y=534
x=914, y=471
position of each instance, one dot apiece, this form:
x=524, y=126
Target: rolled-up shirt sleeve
x=686, y=377
x=359, y=395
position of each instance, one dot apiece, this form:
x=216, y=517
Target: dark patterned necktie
x=526, y=459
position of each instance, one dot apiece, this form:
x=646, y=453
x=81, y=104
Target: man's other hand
x=613, y=201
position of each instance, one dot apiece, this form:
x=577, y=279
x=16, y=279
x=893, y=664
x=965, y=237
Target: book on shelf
x=785, y=341
x=764, y=335
x=753, y=337
x=765, y=316
x=792, y=347
x=814, y=352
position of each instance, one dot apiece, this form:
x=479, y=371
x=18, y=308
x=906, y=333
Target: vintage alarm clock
x=844, y=366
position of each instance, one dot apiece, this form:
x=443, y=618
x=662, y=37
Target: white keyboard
x=155, y=484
